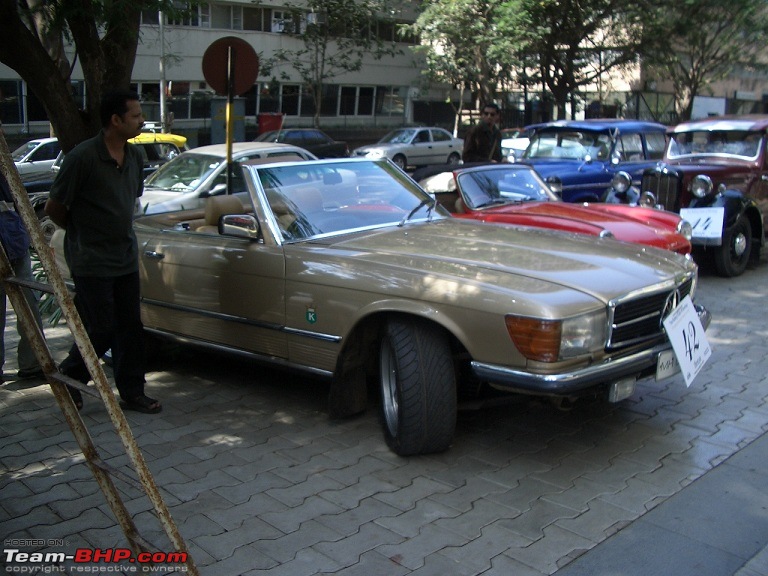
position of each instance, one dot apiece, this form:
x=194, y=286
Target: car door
x=221, y=290
x=443, y=146
x=421, y=151
x=41, y=159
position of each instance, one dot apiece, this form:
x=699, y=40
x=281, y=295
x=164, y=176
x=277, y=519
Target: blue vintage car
x=578, y=158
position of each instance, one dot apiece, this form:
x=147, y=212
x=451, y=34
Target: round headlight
x=647, y=199
x=556, y=185
x=621, y=182
x=685, y=229
x=701, y=185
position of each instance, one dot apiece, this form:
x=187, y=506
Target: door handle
x=154, y=255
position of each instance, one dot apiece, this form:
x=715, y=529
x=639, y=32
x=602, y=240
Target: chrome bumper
x=566, y=383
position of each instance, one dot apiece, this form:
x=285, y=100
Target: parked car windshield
x=311, y=199
x=184, y=173
x=739, y=143
x=571, y=145
x=397, y=137
x=484, y=188
x=23, y=150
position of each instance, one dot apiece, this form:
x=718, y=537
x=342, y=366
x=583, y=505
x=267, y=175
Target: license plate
x=666, y=365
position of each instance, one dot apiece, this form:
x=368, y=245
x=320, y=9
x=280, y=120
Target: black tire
x=454, y=158
x=418, y=387
x=732, y=257
x=48, y=228
x=400, y=160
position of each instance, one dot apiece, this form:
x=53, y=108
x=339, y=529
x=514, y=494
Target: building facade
x=170, y=54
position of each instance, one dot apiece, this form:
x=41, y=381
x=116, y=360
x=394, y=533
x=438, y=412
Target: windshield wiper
x=429, y=200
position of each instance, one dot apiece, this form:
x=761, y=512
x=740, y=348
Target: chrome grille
x=666, y=186
x=639, y=319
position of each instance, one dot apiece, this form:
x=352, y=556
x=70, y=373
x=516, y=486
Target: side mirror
x=240, y=225
x=218, y=190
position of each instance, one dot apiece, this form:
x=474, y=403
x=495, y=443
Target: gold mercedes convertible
x=346, y=268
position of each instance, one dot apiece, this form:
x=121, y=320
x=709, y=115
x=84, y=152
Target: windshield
x=312, y=199
x=184, y=173
x=571, y=145
x=734, y=143
x=484, y=188
x=23, y=150
x=398, y=137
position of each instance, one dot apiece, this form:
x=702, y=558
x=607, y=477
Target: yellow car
x=158, y=148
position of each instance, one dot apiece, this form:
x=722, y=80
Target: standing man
x=15, y=241
x=93, y=198
x=483, y=143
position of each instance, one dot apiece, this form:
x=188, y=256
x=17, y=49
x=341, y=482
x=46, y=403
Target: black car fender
x=735, y=206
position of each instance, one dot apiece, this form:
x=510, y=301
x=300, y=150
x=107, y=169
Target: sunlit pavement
x=259, y=480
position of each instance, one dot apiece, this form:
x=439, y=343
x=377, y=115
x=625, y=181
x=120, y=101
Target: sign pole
x=229, y=112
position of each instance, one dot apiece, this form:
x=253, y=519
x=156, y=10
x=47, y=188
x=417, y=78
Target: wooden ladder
x=102, y=472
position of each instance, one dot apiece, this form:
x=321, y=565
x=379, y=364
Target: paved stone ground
x=258, y=479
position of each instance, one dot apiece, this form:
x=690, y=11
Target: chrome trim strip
x=273, y=360
x=246, y=321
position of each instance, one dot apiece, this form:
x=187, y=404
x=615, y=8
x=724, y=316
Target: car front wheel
x=418, y=387
x=732, y=257
x=454, y=158
x=400, y=160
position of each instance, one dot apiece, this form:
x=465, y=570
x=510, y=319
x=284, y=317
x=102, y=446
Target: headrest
x=218, y=206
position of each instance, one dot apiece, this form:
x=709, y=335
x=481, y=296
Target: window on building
x=347, y=101
x=307, y=102
x=330, y=102
x=258, y=19
x=289, y=22
x=365, y=101
x=221, y=16
x=194, y=15
x=289, y=103
x=11, y=104
x=150, y=17
x=178, y=102
x=269, y=97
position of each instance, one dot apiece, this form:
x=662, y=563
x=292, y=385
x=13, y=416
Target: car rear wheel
x=400, y=160
x=418, y=387
x=454, y=158
x=732, y=257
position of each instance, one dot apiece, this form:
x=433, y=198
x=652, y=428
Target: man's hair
x=491, y=105
x=115, y=102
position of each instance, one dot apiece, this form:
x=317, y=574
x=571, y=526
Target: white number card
x=688, y=339
x=706, y=222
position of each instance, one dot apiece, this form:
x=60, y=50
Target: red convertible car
x=515, y=194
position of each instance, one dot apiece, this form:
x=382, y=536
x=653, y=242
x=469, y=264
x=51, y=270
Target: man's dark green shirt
x=101, y=199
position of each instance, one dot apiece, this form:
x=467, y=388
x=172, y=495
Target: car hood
x=546, y=167
x=370, y=147
x=529, y=261
x=584, y=220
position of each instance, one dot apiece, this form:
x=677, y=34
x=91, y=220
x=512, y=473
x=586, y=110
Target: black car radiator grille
x=640, y=319
x=666, y=185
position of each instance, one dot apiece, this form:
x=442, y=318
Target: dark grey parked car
x=311, y=139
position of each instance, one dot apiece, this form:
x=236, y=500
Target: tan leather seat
x=459, y=207
x=215, y=208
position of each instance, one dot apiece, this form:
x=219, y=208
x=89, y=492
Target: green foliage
x=336, y=37
x=695, y=43
x=463, y=45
